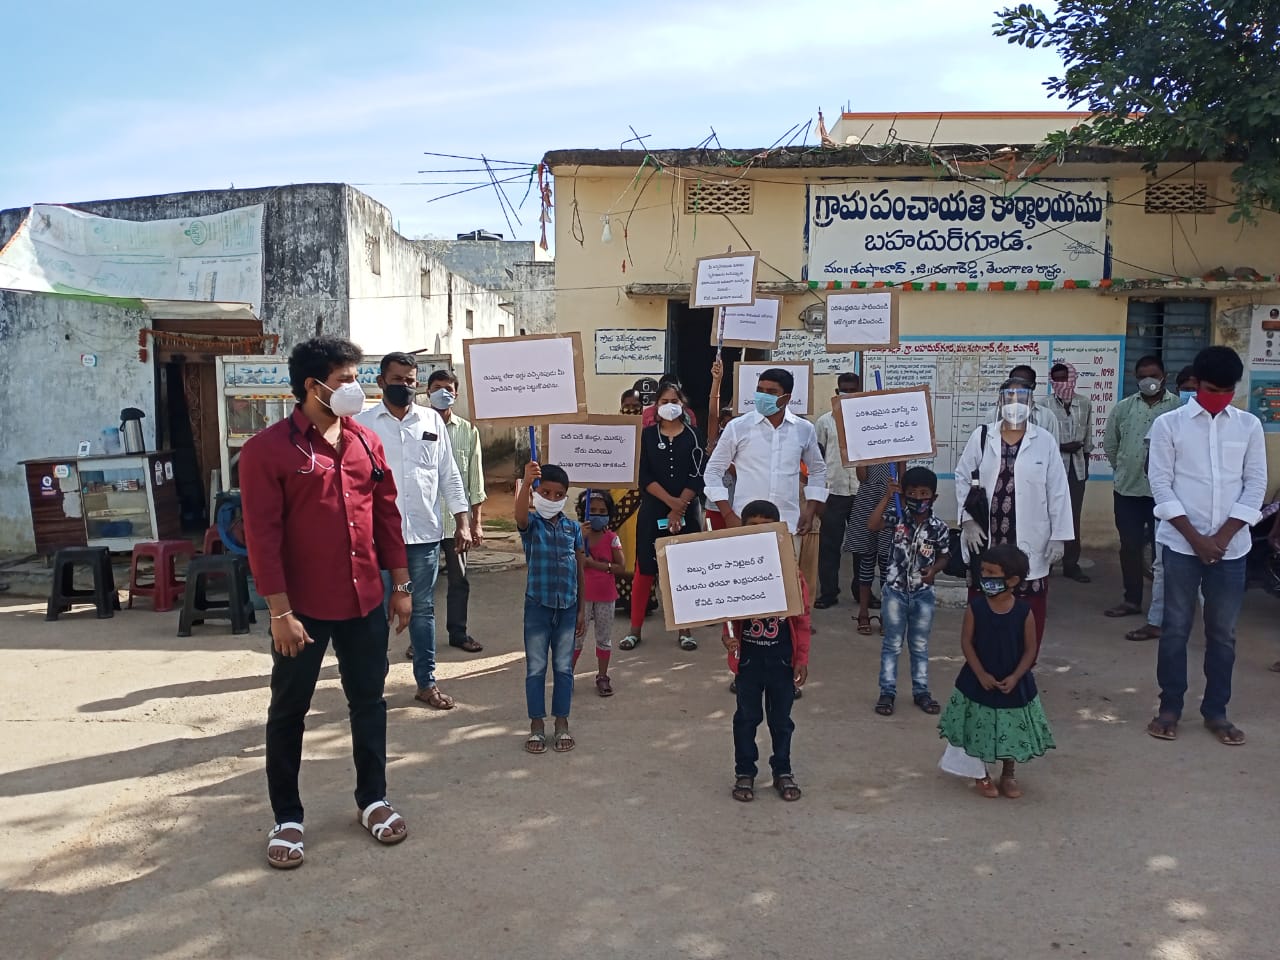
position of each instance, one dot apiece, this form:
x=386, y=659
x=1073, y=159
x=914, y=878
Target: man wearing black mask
x=420, y=457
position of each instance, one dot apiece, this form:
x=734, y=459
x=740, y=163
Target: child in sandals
x=604, y=561
x=773, y=662
x=995, y=712
x=917, y=554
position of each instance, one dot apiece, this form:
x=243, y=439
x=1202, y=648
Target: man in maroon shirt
x=321, y=524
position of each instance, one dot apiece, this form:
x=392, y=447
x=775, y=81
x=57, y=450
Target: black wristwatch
x=406, y=587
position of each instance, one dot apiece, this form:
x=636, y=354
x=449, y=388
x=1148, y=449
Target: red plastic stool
x=213, y=542
x=165, y=589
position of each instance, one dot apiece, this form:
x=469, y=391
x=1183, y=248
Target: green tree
x=1173, y=78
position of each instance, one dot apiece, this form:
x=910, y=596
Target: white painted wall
x=49, y=400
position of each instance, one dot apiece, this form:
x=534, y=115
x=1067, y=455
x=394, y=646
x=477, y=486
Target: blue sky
x=140, y=97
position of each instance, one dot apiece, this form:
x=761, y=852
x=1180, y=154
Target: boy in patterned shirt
x=918, y=554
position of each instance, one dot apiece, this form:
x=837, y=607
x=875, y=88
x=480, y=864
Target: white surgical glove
x=1056, y=549
x=972, y=536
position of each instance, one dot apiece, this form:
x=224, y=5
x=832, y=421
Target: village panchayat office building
x=1000, y=259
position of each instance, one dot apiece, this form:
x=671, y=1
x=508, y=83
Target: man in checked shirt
x=321, y=524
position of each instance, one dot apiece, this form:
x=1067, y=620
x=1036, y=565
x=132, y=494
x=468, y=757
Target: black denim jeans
x=772, y=680
x=361, y=648
x=459, y=595
x=1136, y=524
x=830, y=538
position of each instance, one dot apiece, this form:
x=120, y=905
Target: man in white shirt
x=420, y=456
x=842, y=482
x=1208, y=473
x=766, y=448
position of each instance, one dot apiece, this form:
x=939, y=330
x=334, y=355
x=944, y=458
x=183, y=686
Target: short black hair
x=555, y=474
x=602, y=495
x=1220, y=366
x=318, y=357
x=1059, y=366
x=1008, y=558
x=628, y=395
x=782, y=378
x=442, y=376
x=1023, y=372
x=761, y=508
x=1186, y=373
x=1148, y=360
x=404, y=359
x=850, y=379
x=920, y=477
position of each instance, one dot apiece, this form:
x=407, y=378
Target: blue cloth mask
x=1185, y=395
x=598, y=522
x=766, y=404
x=993, y=586
x=442, y=399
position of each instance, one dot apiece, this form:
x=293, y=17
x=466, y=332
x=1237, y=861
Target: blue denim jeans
x=906, y=616
x=1223, y=586
x=424, y=566
x=548, y=631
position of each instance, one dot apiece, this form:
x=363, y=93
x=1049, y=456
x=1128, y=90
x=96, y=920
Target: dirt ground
x=133, y=807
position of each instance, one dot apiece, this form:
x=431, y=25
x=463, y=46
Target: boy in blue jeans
x=553, y=611
x=918, y=554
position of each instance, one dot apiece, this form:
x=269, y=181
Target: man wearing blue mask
x=420, y=457
x=766, y=448
x=442, y=392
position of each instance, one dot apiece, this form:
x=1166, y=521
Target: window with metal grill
x=716, y=196
x=1173, y=330
x=1178, y=196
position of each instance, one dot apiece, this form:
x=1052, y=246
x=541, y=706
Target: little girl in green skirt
x=995, y=713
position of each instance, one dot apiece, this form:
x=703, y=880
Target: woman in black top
x=671, y=462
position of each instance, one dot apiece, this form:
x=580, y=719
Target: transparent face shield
x=1014, y=405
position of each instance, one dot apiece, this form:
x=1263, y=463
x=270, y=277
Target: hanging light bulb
x=606, y=235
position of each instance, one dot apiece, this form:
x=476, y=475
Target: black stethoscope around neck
x=376, y=472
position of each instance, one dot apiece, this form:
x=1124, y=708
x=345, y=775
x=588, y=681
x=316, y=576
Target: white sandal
x=275, y=843
x=382, y=831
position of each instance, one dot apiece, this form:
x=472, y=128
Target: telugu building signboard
x=957, y=232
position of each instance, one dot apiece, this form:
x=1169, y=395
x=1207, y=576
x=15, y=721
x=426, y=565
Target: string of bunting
x=266, y=343
x=1002, y=285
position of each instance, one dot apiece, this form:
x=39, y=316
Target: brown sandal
x=864, y=626
x=786, y=787
x=1145, y=632
x=1009, y=787
x=1226, y=731
x=603, y=686
x=1164, y=727
x=436, y=699
x=987, y=788
x=744, y=789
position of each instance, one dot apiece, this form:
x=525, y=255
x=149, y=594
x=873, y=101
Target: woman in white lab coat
x=1028, y=502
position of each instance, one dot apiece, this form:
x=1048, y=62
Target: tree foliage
x=1170, y=77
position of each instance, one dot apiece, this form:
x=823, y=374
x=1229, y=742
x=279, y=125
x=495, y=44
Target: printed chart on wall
x=1264, y=366
x=963, y=375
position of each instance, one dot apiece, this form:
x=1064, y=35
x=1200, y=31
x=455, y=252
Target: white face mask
x=1015, y=414
x=346, y=401
x=670, y=411
x=547, y=509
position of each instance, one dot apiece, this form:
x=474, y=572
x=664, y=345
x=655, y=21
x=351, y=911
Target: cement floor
x=133, y=808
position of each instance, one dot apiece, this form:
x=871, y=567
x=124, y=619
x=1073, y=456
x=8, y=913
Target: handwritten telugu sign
x=862, y=321
x=724, y=280
x=802, y=345
x=948, y=232
x=752, y=325
x=528, y=380
x=633, y=352
x=885, y=426
x=602, y=452
x=728, y=575
x=747, y=374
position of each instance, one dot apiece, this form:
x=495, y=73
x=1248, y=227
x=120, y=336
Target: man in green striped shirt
x=442, y=388
x=1125, y=444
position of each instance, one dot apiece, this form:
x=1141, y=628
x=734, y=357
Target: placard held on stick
x=862, y=321
x=527, y=380
x=727, y=575
x=885, y=426
x=752, y=325
x=724, y=280
x=601, y=452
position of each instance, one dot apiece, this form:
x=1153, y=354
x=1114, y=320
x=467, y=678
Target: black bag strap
x=982, y=452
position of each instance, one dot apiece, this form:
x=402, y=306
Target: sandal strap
x=376, y=805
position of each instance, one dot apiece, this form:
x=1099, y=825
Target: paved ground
x=133, y=809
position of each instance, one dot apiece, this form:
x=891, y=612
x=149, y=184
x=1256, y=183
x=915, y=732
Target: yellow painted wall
x=655, y=242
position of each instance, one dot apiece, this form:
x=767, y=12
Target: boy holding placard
x=553, y=609
x=773, y=664
x=918, y=553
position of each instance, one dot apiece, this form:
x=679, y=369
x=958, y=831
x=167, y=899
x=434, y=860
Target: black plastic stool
x=62, y=593
x=233, y=575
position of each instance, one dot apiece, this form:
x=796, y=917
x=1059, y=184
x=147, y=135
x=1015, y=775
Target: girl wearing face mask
x=603, y=562
x=995, y=712
x=1019, y=467
x=671, y=461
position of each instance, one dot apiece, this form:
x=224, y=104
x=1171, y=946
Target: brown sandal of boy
x=864, y=626
x=744, y=789
x=786, y=787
